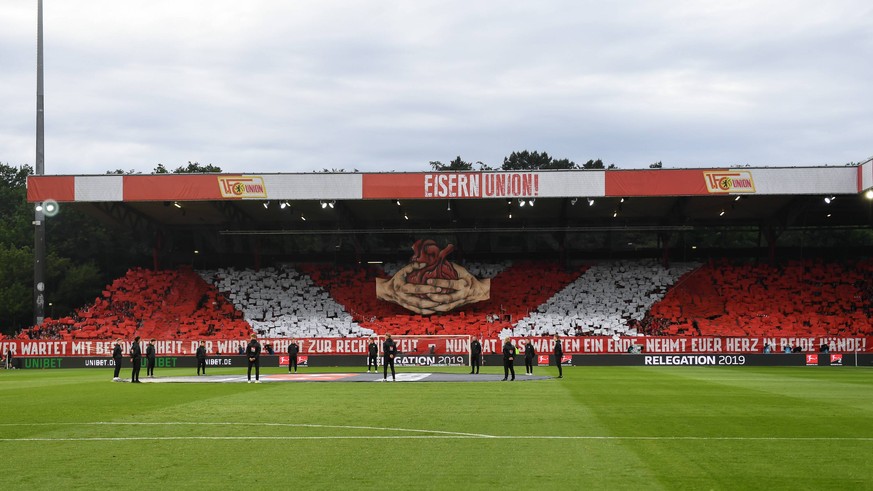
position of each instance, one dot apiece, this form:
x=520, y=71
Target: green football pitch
x=597, y=428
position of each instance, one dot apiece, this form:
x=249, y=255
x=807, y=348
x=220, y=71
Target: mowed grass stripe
x=598, y=428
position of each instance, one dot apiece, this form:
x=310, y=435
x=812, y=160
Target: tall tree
x=83, y=254
x=526, y=160
x=454, y=165
x=196, y=167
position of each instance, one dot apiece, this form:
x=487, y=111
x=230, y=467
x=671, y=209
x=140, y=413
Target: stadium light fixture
x=615, y=214
x=39, y=207
x=177, y=204
x=406, y=216
x=721, y=214
x=737, y=198
x=829, y=199
x=521, y=202
x=302, y=217
x=331, y=203
x=829, y=215
x=531, y=202
x=449, y=206
x=573, y=201
x=622, y=200
x=284, y=205
x=869, y=194
x=323, y=205
x=266, y=204
x=397, y=201
x=510, y=216
x=590, y=201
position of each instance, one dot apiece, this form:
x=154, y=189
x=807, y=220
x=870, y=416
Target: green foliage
x=526, y=160
x=454, y=165
x=15, y=215
x=195, y=168
x=16, y=287
x=82, y=256
x=458, y=165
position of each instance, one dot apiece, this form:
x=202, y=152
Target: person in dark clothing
x=253, y=354
x=116, y=357
x=475, y=355
x=529, y=354
x=372, y=353
x=9, y=365
x=150, y=359
x=559, y=353
x=293, y=349
x=201, y=358
x=135, y=360
x=389, y=351
x=508, y=359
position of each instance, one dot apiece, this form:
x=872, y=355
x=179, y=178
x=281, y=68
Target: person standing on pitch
x=135, y=360
x=529, y=354
x=253, y=354
x=201, y=358
x=475, y=355
x=559, y=354
x=508, y=359
x=372, y=353
x=116, y=357
x=293, y=349
x=150, y=359
x=389, y=351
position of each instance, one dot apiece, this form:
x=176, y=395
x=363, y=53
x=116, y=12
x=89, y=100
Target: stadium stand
x=801, y=298
x=280, y=302
x=168, y=304
x=629, y=298
x=610, y=298
x=516, y=290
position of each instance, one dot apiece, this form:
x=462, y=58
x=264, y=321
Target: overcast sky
x=298, y=86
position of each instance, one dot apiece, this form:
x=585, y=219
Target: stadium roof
x=391, y=202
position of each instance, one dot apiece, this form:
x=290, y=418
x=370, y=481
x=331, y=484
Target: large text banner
x=542, y=345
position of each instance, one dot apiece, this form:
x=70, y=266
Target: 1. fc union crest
x=242, y=187
x=729, y=182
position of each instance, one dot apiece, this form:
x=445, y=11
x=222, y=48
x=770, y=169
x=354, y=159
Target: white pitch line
x=290, y=425
x=430, y=437
x=430, y=434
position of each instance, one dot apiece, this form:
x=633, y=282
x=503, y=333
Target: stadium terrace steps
x=609, y=298
x=281, y=302
x=515, y=291
x=161, y=304
x=801, y=298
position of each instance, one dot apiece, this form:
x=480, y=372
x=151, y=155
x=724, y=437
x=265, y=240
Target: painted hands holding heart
x=431, y=284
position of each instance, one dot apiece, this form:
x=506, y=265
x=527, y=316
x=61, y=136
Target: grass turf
x=625, y=428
